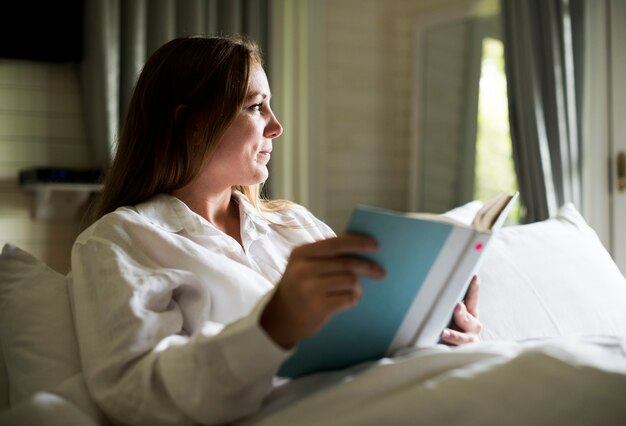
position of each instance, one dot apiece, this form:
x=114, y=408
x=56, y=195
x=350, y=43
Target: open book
x=430, y=260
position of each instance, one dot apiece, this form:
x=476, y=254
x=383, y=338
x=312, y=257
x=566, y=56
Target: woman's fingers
x=465, y=321
x=469, y=327
x=339, y=265
x=320, y=279
x=299, y=311
x=341, y=292
x=471, y=297
x=456, y=338
x=334, y=256
x=340, y=245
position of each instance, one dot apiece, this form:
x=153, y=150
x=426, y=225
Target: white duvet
x=580, y=381
x=563, y=381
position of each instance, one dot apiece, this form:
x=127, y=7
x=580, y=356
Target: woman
x=189, y=291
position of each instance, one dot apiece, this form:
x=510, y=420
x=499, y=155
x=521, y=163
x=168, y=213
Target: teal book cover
x=408, y=248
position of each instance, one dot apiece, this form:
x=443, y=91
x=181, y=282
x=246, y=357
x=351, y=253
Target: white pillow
x=551, y=278
x=36, y=328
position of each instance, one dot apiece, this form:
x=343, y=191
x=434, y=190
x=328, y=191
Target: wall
x=367, y=87
x=41, y=124
x=447, y=109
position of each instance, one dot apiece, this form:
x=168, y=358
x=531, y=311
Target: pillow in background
x=36, y=328
x=550, y=278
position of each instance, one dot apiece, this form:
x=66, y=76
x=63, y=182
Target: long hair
x=207, y=75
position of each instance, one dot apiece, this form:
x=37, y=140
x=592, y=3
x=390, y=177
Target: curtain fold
x=121, y=34
x=543, y=75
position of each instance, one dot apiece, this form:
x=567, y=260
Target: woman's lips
x=264, y=156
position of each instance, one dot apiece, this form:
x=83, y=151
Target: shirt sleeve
x=140, y=365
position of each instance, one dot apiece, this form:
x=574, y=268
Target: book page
x=434, y=217
x=488, y=215
x=485, y=218
x=437, y=218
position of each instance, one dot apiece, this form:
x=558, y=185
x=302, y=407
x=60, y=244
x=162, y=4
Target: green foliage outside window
x=494, y=169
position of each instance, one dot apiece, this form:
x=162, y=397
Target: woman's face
x=241, y=155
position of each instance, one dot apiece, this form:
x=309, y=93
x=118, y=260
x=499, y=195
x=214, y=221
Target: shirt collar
x=253, y=224
x=172, y=215
x=158, y=211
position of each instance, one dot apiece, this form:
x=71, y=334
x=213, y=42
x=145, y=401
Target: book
x=430, y=260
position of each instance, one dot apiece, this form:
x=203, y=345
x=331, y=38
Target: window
x=494, y=170
x=461, y=138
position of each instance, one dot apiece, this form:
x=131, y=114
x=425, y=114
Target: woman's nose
x=273, y=129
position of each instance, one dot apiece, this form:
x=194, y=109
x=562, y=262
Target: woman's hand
x=321, y=279
x=466, y=326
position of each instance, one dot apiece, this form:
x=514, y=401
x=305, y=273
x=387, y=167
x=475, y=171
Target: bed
x=553, y=349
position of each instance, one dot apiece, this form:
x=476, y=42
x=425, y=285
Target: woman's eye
x=256, y=107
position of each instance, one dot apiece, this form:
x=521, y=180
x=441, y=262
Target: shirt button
x=232, y=248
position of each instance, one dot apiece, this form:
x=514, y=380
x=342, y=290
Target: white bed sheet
x=556, y=381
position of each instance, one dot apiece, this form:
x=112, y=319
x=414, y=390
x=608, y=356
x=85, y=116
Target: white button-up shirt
x=167, y=309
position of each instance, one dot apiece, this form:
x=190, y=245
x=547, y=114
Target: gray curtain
x=121, y=34
x=543, y=48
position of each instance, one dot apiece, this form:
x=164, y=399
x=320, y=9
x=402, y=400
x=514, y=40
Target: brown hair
x=208, y=75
